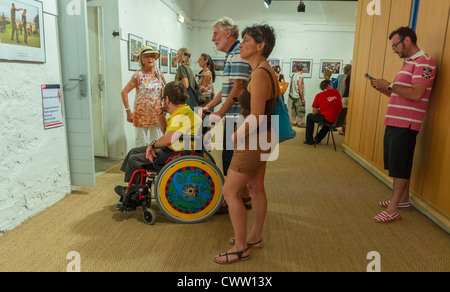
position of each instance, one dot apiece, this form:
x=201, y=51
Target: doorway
x=97, y=73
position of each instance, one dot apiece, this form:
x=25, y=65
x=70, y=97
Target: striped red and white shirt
x=403, y=113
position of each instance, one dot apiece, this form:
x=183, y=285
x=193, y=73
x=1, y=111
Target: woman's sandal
x=239, y=254
x=246, y=201
x=224, y=208
x=250, y=245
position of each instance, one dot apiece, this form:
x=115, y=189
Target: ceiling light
x=180, y=18
x=301, y=7
x=267, y=3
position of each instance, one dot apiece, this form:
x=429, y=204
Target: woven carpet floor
x=321, y=205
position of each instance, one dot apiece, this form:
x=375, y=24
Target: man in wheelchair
x=182, y=121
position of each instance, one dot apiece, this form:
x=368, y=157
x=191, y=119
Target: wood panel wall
x=430, y=187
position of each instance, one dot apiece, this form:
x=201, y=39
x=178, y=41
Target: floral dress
x=148, y=96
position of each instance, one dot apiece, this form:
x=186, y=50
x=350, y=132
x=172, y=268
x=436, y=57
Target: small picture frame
x=152, y=44
x=275, y=62
x=164, y=59
x=335, y=66
x=173, y=61
x=135, y=44
x=307, y=67
x=219, y=65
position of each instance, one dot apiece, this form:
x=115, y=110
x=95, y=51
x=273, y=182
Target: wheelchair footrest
x=124, y=209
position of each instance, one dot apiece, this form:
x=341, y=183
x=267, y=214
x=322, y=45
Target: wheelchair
x=187, y=190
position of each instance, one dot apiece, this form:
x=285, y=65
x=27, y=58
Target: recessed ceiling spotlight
x=301, y=7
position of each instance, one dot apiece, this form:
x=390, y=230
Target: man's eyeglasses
x=395, y=45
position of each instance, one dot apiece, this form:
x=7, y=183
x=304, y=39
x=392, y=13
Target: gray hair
x=227, y=23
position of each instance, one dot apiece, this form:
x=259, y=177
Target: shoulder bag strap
x=271, y=78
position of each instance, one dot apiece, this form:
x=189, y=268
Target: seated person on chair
x=326, y=108
x=182, y=121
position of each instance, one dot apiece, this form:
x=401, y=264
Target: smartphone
x=369, y=77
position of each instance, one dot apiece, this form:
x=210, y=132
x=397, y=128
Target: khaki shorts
x=298, y=108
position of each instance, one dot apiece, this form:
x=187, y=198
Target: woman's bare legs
x=259, y=203
x=232, y=190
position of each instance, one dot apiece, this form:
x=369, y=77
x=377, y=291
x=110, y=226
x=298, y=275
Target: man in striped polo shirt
x=235, y=73
x=409, y=94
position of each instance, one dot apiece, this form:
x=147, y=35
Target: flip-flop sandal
x=250, y=245
x=240, y=258
x=247, y=200
x=384, y=217
x=222, y=210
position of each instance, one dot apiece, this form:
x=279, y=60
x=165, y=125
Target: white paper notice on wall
x=52, y=106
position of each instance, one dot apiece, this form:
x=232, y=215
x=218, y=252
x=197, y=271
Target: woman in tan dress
x=247, y=167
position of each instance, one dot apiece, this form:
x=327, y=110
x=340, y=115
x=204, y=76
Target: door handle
x=83, y=84
x=101, y=83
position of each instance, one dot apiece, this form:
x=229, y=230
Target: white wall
x=33, y=162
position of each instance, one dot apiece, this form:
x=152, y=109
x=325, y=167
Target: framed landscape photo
x=22, y=31
x=307, y=66
x=164, y=59
x=335, y=66
x=135, y=44
x=173, y=61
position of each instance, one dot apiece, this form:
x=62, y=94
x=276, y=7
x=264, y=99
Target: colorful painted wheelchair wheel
x=189, y=189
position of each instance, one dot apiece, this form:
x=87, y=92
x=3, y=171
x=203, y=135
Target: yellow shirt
x=185, y=121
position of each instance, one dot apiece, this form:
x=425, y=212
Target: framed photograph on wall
x=173, y=61
x=307, y=67
x=135, y=44
x=152, y=44
x=275, y=62
x=22, y=33
x=335, y=66
x=164, y=59
x=219, y=65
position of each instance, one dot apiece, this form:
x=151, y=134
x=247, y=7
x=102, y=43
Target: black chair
x=340, y=122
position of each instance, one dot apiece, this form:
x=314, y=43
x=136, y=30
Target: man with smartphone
x=409, y=94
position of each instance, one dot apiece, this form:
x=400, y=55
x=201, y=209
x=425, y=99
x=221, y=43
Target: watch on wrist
x=153, y=144
x=391, y=87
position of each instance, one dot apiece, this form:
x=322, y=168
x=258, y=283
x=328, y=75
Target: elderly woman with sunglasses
x=248, y=168
x=149, y=83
